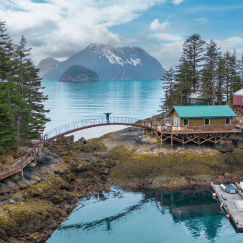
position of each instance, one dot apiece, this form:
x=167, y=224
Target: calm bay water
x=148, y=217
x=142, y=217
x=71, y=102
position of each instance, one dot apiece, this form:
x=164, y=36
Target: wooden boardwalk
x=19, y=164
x=227, y=201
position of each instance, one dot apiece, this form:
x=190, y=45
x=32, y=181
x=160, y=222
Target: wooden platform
x=227, y=200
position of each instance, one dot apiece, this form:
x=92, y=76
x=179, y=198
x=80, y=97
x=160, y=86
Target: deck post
x=171, y=139
x=183, y=139
x=161, y=137
x=198, y=139
x=22, y=172
x=35, y=153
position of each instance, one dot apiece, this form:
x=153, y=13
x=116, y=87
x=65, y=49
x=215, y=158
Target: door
x=176, y=122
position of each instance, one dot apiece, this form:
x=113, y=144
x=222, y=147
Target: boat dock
x=227, y=201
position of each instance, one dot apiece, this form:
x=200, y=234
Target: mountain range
x=110, y=63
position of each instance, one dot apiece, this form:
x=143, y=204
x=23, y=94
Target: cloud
x=177, y=2
x=168, y=54
x=167, y=37
x=155, y=25
x=60, y=28
x=202, y=20
x=131, y=40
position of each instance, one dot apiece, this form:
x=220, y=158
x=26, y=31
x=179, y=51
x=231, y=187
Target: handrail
x=19, y=163
x=88, y=122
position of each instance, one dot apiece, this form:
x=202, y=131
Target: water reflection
x=150, y=216
x=197, y=209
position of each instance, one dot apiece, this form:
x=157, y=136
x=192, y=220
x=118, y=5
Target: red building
x=238, y=98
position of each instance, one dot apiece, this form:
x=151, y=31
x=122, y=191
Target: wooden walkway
x=18, y=165
x=227, y=201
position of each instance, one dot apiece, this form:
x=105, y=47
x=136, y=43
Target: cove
x=148, y=216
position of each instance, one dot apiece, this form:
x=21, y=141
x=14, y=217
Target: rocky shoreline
x=65, y=171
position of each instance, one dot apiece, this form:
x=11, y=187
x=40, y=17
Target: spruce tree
x=193, y=50
x=34, y=120
x=183, y=85
x=168, y=86
x=209, y=72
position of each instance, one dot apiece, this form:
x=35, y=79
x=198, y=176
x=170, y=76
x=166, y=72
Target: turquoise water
x=147, y=217
x=71, y=102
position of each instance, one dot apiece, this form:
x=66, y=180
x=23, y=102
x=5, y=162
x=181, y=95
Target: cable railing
x=73, y=126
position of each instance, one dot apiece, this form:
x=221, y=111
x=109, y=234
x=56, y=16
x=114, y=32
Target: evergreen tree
x=193, y=50
x=221, y=73
x=183, y=85
x=34, y=120
x=6, y=122
x=168, y=86
x=209, y=71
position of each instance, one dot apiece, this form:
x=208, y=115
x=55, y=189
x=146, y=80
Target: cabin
x=238, y=98
x=201, y=115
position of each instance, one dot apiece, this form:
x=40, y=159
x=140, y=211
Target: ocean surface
x=70, y=102
x=131, y=217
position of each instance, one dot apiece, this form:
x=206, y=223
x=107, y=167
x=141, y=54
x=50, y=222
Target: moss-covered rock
x=30, y=216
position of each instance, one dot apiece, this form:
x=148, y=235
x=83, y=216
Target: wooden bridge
x=95, y=122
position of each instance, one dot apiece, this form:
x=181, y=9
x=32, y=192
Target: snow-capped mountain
x=111, y=63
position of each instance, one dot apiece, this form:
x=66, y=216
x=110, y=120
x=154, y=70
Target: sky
x=61, y=28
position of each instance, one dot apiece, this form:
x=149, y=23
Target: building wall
x=238, y=100
x=201, y=121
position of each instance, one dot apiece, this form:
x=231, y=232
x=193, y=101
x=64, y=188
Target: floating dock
x=227, y=201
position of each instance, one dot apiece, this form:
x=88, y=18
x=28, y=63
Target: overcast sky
x=61, y=28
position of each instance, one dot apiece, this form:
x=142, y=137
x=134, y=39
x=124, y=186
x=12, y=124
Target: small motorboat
x=230, y=188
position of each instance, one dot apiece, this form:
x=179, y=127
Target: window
x=185, y=122
x=207, y=121
x=227, y=121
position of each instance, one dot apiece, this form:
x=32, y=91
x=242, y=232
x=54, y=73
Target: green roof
x=204, y=111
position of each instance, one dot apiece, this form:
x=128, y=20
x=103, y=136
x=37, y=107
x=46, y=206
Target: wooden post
x=171, y=139
x=22, y=173
x=183, y=139
x=161, y=137
x=198, y=140
x=35, y=153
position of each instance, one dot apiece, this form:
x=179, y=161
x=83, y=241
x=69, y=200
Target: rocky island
x=79, y=73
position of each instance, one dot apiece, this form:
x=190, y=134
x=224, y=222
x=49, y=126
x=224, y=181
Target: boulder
x=11, y=184
x=83, y=140
x=4, y=188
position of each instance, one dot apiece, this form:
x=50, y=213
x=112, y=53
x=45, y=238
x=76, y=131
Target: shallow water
x=151, y=216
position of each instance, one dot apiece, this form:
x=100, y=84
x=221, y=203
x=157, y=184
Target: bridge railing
x=86, y=123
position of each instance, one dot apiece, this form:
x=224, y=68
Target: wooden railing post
x=35, y=153
x=22, y=173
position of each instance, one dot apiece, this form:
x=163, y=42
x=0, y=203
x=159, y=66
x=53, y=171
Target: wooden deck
x=227, y=201
x=195, y=134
